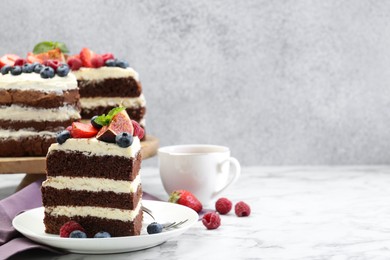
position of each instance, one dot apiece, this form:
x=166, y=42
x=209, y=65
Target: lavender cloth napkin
x=11, y=241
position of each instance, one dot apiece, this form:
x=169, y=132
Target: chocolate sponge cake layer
x=93, y=225
x=54, y=126
x=110, y=87
x=135, y=113
x=77, y=164
x=26, y=146
x=63, y=197
x=39, y=99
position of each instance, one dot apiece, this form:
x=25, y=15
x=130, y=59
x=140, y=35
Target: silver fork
x=148, y=211
x=168, y=225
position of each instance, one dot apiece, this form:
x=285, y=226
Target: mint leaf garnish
x=106, y=119
x=48, y=45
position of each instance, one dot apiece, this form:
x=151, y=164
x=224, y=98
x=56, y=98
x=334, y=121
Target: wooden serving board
x=37, y=165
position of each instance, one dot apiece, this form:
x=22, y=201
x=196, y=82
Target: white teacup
x=201, y=169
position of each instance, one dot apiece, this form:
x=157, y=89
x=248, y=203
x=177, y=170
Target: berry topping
x=63, y=136
x=28, y=68
x=117, y=121
x=102, y=234
x=77, y=234
x=16, y=70
x=20, y=62
x=186, y=198
x=63, y=70
x=68, y=227
x=211, y=220
x=121, y=63
x=8, y=59
x=75, y=63
x=110, y=63
x=86, y=57
x=47, y=73
x=32, y=58
x=124, y=140
x=154, y=228
x=54, y=64
x=81, y=130
x=5, y=69
x=107, y=56
x=242, y=209
x=138, y=130
x=38, y=67
x=223, y=206
x=97, y=61
x=93, y=122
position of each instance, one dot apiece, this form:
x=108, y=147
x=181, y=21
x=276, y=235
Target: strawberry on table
x=185, y=198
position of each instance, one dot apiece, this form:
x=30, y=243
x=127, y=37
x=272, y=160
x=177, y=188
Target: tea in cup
x=201, y=169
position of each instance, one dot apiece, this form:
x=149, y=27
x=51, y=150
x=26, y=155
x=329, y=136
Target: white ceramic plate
x=30, y=224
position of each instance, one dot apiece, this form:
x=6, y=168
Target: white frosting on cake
x=104, y=72
x=33, y=81
x=19, y=113
x=94, y=147
x=92, y=184
x=135, y=102
x=13, y=134
x=100, y=212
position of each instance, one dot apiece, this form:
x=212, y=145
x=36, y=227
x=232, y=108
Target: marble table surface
x=297, y=213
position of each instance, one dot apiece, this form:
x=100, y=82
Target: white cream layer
x=19, y=113
x=33, y=81
x=104, y=72
x=94, y=147
x=92, y=184
x=135, y=102
x=8, y=134
x=99, y=212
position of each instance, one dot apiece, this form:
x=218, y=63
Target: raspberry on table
x=242, y=209
x=211, y=220
x=223, y=206
x=69, y=227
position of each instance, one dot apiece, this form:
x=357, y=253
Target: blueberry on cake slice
x=93, y=177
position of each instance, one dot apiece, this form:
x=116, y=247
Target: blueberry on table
x=47, y=72
x=63, y=136
x=124, y=139
x=102, y=234
x=63, y=70
x=6, y=69
x=16, y=70
x=154, y=228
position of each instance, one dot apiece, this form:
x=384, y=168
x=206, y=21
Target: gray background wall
x=279, y=82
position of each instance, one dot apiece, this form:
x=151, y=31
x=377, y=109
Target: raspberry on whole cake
x=93, y=177
x=38, y=97
x=106, y=82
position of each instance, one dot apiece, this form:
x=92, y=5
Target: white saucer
x=30, y=224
